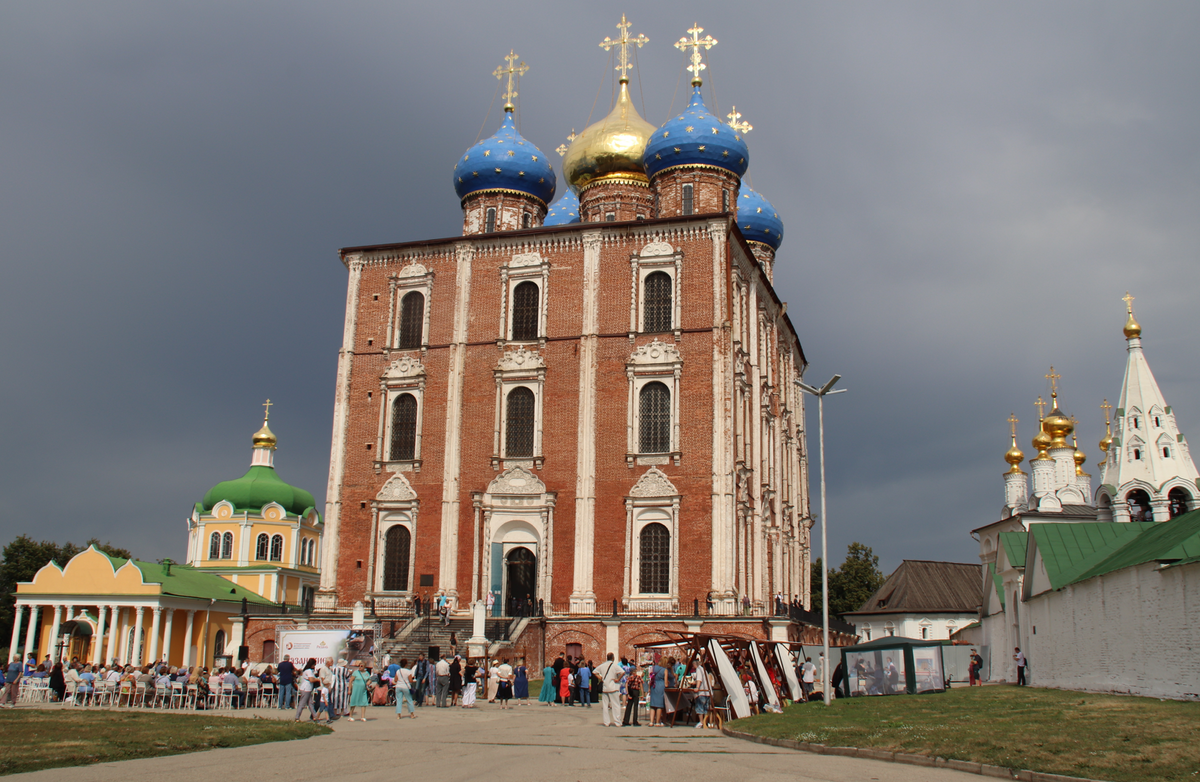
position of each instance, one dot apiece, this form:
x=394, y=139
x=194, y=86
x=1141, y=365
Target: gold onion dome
x=1058, y=426
x=264, y=438
x=1080, y=458
x=1132, y=327
x=1041, y=441
x=611, y=148
x=1106, y=443
x=1014, y=456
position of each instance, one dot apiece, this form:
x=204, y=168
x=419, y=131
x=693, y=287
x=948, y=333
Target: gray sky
x=967, y=190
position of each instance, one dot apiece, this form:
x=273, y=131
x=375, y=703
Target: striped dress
x=339, y=690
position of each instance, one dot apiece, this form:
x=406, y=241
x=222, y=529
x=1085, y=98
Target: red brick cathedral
x=583, y=406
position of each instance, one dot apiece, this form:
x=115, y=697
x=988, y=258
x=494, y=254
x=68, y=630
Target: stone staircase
x=423, y=634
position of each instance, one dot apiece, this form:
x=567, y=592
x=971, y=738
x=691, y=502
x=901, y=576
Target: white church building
x=1097, y=595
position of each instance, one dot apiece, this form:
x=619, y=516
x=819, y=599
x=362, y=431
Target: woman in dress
x=505, y=690
x=469, y=673
x=521, y=683
x=493, y=680
x=564, y=685
x=339, y=690
x=358, y=692
x=658, y=693
x=456, y=681
x=546, y=696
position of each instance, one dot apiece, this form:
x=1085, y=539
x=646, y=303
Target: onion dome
x=505, y=162
x=259, y=486
x=565, y=210
x=757, y=219
x=1041, y=440
x=1080, y=457
x=611, y=148
x=264, y=438
x=1014, y=456
x=1058, y=426
x=697, y=138
x=1132, y=327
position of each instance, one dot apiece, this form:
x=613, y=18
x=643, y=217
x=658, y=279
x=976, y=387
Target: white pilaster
x=114, y=634
x=56, y=653
x=188, y=639
x=452, y=454
x=583, y=596
x=155, y=629
x=723, y=515
x=98, y=641
x=31, y=632
x=139, y=645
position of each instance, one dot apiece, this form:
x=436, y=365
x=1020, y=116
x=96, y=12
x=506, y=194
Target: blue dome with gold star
x=757, y=219
x=565, y=210
x=696, y=138
x=505, y=162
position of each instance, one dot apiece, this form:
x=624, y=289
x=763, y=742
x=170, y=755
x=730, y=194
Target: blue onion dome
x=565, y=210
x=505, y=162
x=757, y=219
x=696, y=138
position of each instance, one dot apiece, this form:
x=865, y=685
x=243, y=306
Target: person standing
x=808, y=673
x=493, y=686
x=610, y=675
x=287, y=682
x=456, y=680
x=974, y=668
x=12, y=684
x=559, y=662
x=658, y=694
x=633, y=696
x=358, y=692
x=521, y=683
x=417, y=675
x=585, y=684
x=703, y=694
x=403, y=679
x=491, y=602
x=505, y=691
x=564, y=688
x=442, y=672
x=470, y=673
x=304, y=692
x=1019, y=656
x=547, y=695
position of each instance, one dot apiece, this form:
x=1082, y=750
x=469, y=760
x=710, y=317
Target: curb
x=866, y=753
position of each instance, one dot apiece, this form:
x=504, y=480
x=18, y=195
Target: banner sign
x=346, y=645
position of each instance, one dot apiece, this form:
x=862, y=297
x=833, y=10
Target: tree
x=24, y=557
x=852, y=584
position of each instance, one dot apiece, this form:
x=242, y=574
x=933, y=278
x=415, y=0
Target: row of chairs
x=177, y=695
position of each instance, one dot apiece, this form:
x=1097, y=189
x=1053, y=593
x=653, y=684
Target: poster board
x=763, y=679
x=789, y=671
x=739, y=704
x=345, y=644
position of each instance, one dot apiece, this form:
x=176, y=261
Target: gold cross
x=266, y=410
x=512, y=70
x=561, y=149
x=740, y=127
x=1041, y=406
x=695, y=43
x=624, y=41
x=1012, y=424
x=1128, y=302
x=1053, y=377
x=1106, y=407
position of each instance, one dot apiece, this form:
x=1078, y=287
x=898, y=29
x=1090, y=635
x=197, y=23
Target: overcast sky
x=967, y=189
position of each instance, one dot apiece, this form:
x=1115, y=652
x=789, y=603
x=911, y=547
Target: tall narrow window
x=227, y=546
x=277, y=548
x=724, y=200
x=656, y=303
x=489, y=223
x=395, y=565
x=655, y=419
x=526, y=220
x=687, y=199
x=260, y=546
x=403, y=445
x=518, y=438
x=525, y=311
x=219, y=643
x=214, y=546
x=412, y=321
x=655, y=573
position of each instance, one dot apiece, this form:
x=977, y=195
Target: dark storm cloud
x=967, y=190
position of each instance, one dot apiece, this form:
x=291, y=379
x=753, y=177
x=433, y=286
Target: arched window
x=260, y=546
x=1139, y=505
x=656, y=303
x=518, y=437
x=525, y=311
x=1166, y=452
x=866, y=631
x=214, y=546
x=489, y=223
x=1178, y=501
x=403, y=445
x=277, y=548
x=687, y=199
x=219, y=642
x=395, y=562
x=227, y=546
x=412, y=321
x=655, y=419
x=1137, y=453
x=889, y=628
x=655, y=574
x=268, y=655
x=526, y=220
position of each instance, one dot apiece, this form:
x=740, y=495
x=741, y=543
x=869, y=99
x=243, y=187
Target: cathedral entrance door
x=520, y=582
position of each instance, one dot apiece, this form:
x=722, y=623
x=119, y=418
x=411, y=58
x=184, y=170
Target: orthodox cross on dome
x=695, y=43
x=740, y=127
x=561, y=149
x=267, y=410
x=513, y=70
x=1041, y=406
x=1128, y=302
x=1106, y=407
x=1053, y=377
x=624, y=41
x=1012, y=424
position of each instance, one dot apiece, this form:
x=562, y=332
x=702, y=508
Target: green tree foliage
x=850, y=585
x=24, y=557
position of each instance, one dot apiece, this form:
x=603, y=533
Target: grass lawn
x=33, y=739
x=1111, y=737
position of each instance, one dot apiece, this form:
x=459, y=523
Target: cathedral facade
x=584, y=407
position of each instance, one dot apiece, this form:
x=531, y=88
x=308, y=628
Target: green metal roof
x=1014, y=546
x=259, y=486
x=187, y=581
x=1176, y=541
x=1068, y=549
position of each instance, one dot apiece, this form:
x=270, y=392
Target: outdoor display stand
x=788, y=664
x=764, y=678
x=682, y=699
x=893, y=666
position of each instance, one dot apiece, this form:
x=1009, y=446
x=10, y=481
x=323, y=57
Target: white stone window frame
x=523, y=267
x=518, y=368
x=413, y=277
x=654, y=257
x=396, y=504
x=654, y=362
x=652, y=500
x=405, y=375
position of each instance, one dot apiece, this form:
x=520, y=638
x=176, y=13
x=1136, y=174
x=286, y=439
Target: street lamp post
x=820, y=394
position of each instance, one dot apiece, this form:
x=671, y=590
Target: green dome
x=259, y=486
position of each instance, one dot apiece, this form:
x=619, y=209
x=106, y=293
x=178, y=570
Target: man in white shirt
x=1019, y=657
x=610, y=675
x=442, y=684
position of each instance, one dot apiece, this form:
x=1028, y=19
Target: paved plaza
x=526, y=743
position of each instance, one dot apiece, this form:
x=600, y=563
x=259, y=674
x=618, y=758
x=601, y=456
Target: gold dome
x=611, y=148
x=264, y=438
x=1058, y=426
x=1132, y=328
x=1080, y=458
x=1041, y=441
x=1106, y=443
x=1014, y=456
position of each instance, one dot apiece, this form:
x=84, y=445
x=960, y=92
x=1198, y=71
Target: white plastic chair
x=267, y=696
x=139, y=694
x=193, y=694
x=225, y=701
x=177, y=695
x=69, y=697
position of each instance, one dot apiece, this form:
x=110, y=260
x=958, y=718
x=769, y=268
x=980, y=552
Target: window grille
x=214, y=546
x=277, y=548
x=490, y=221
x=656, y=303
x=518, y=439
x=655, y=419
x=227, y=546
x=396, y=553
x=687, y=199
x=260, y=547
x=525, y=311
x=655, y=576
x=403, y=445
x=412, y=321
